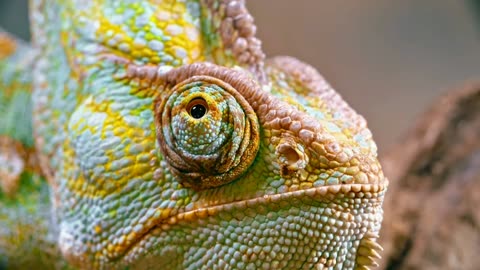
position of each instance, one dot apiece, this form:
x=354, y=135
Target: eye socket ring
x=197, y=108
x=224, y=147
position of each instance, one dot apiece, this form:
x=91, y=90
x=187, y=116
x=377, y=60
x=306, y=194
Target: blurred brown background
x=389, y=59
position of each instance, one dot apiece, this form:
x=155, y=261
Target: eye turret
x=207, y=131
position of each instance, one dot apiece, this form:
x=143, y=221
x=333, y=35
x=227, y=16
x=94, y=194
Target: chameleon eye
x=207, y=132
x=197, y=108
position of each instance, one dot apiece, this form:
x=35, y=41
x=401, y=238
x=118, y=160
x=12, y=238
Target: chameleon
x=157, y=135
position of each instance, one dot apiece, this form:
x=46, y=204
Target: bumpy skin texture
x=169, y=142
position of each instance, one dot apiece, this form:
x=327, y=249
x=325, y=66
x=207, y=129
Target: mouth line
x=315, y=192
x=329, y=192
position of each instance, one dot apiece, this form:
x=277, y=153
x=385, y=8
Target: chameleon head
x=223, y=170
x=169, y=162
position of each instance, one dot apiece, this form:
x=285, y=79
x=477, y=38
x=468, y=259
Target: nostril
x=291, y=155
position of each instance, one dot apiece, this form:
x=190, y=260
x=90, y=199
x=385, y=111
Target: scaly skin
x=169, y=142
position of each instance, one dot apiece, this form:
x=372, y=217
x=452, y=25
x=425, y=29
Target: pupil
x=198, y=111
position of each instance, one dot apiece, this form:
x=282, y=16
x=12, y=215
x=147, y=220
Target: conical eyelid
x=231, y=157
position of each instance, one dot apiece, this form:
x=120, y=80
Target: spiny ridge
x=368, y=252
